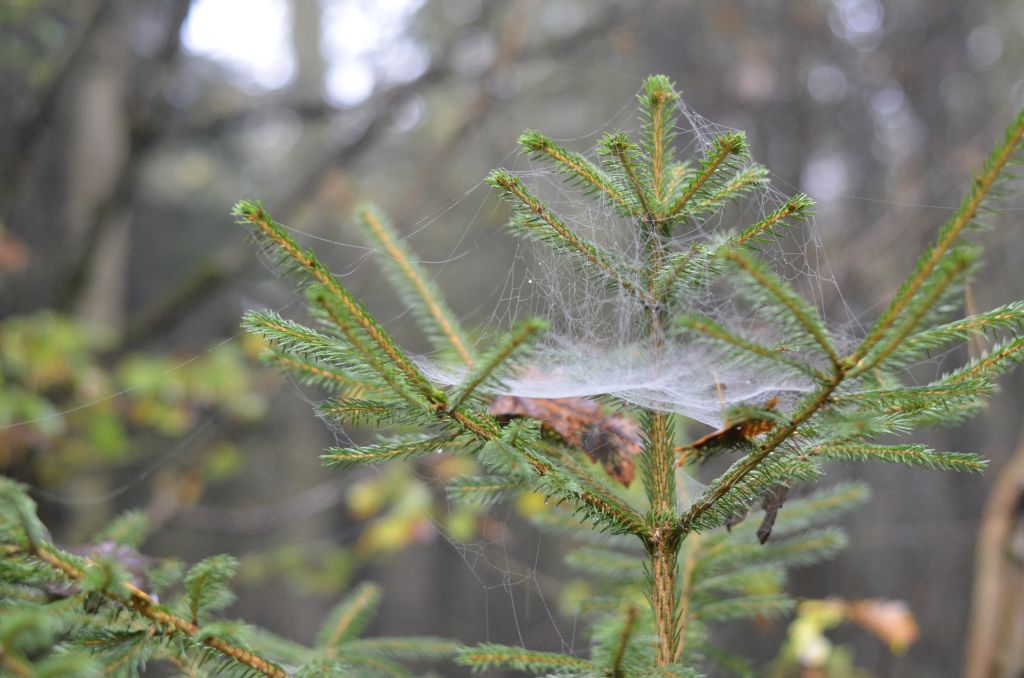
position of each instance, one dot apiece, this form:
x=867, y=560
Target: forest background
x=130, y=128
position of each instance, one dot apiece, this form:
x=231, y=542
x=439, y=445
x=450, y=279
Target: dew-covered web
x=600, y=340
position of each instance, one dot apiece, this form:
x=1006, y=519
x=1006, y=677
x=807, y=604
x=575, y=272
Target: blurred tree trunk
x=98, y=147
x=311, y=67
x=114, y=103
x=995, y=647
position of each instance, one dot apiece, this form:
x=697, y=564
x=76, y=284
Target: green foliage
x=487, y=375
x=487, y=656
x=128, y=529
x=58, y=410
x=693, y=574
x=414, y=285
x=350, y=617
x=206, y=586
x=67, y=615
x=532, y=219
x=663, y=566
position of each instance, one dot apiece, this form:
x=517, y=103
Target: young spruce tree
x=666, y=564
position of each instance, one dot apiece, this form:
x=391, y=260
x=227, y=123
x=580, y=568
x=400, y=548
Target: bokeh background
x=128, y=129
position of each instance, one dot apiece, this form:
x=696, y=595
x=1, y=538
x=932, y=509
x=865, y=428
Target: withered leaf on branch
x=736, y=433
x=610, y=439
x=736, y=517
x=771, y=502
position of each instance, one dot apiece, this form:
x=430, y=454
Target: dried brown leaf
x=610, y=439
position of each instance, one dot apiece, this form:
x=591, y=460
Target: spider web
x=599, y=342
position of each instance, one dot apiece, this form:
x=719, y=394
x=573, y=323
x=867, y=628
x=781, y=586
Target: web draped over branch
x=596, y=303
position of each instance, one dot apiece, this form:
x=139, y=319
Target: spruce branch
x=335, y=295
x=768, y=605
x=950, y=269
x=403, y=648
x=317, y=374
x=480, y=490
x=142, y=603
x=945, y=395
x=738, y=471
x=806, y=315
x=386, y=451
x=489, y=655
x=602, y=563
x=798, y=307
x=624, y=636
x=807, y=548
x=658, y=104
x=708, y=328
x=536, y=220
x=619, y=147
x=821, y=507
x=677, y=172
x=724, y=146
x=415, y=288
x=206, y=585
x=380, y=413
x=685, y=269
x=574, y=165
x=497, y=359
x=1008, y=318
x=293, y=339
x=948, y=236
x=909, y=455
x=747, y=179
x=740, y=580
x=594, y=502
x=797, y=207
x=388, y=371
x=349, y=618
x=992, y=364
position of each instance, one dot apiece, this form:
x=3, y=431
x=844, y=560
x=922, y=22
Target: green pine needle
x=348, y=619
x=487, y=375
x=908, y=455
x=386, y=451
x=414, y=285
x=490, y=655
x=206, y=586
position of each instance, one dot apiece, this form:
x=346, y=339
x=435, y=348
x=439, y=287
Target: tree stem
x=664, y=556
x=663, y=539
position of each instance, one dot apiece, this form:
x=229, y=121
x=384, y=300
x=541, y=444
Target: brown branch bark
x=995, y=641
